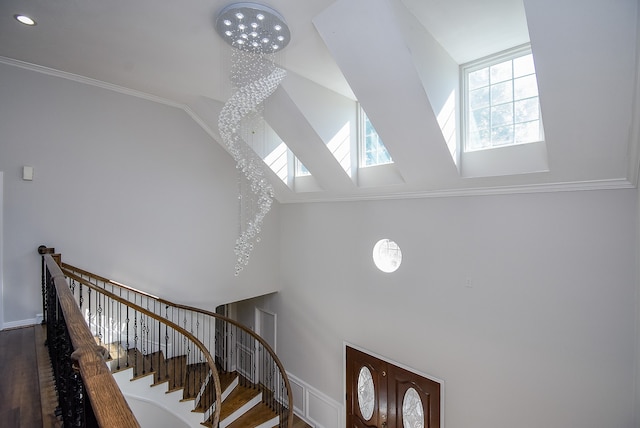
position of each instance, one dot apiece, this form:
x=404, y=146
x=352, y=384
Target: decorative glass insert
x=366, y=393
x=501, y=104
x=387, y=255
x=412, y=410
x=372, y=149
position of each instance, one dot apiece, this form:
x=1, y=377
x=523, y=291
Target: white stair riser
x=141, y=389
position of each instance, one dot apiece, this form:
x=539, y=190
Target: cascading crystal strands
x=257, y=33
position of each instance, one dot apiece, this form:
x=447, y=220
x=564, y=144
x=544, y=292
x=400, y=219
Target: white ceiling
x=585, y=53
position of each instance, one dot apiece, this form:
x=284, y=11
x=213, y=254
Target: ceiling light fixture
x=251, y=29
x=24, y=19
x=241, y=19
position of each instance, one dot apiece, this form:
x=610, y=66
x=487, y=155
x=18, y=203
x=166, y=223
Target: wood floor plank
x=19, y=386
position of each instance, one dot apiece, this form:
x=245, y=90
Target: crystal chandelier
x=257, y=33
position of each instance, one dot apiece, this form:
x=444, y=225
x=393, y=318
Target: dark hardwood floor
x=27, y=396
x=19, y=384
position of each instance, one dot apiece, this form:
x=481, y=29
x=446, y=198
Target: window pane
x=502, y=92
x=525, y=87
x=502, y=135
x=480, y=119
x=527, y=132
x=479, y=78
x=480, y=139
x=502, y=114
x=373, y=150
x=500, y=72
x=526, y=110
x=479, y=98
x=523, y=66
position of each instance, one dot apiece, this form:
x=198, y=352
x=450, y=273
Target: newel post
x=42, y=250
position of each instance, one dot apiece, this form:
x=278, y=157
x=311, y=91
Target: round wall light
x=24, y=19
x=387, y=255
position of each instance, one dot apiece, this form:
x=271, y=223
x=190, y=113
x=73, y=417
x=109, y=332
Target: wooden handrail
x=259, y=339
x=108, y=403
x=187, y=334
x=69, y=271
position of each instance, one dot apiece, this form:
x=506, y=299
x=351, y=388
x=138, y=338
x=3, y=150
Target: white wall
x=125, y=187
x=544, y=337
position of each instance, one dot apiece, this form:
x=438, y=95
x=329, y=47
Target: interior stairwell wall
x=123, y=186
x=524, y=305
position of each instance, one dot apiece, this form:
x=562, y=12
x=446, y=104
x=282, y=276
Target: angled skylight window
x=372, y=149
x=301, y=170
x=501, y=105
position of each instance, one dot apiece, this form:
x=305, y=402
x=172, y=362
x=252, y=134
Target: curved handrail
x=70, y=269
x=187, y=334
x=100, y=385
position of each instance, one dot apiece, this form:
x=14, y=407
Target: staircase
x=203, y=367
x=176, y=385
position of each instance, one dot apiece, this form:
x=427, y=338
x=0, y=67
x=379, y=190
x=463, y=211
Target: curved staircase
x=175, y=386
x=201, y=366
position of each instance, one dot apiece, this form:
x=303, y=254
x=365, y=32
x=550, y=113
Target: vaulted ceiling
x=398, y=58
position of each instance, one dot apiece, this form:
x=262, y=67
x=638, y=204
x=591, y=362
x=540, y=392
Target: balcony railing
x=187, y=347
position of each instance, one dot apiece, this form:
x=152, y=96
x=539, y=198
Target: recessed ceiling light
x=24, y=19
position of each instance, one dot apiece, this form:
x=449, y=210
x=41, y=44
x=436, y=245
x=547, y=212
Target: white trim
x=88, y=81
x=20, y=323
x=332, y=410
x=395, y=363
x=259, y=326
x=607, y=184
x=573, y=186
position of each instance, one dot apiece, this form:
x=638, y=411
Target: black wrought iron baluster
x=166, y=347
x=135, y=343
x=127, y=348
x=142, y=341
x=99, y=316
x=89, y=315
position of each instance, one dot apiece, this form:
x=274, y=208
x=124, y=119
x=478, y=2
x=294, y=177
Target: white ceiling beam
x=366, y=41
x=290, y=124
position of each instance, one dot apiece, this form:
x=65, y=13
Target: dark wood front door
x=383, y=395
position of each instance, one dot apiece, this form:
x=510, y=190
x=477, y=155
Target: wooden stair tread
x=143, y=365
x=238, y=398
x=256, y=416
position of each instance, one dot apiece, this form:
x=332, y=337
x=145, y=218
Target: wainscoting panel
x=314, y=407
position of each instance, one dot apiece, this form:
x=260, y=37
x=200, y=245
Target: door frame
x=390, y=361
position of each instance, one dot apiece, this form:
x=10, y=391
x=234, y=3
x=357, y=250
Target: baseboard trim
x=315, y=408
x=18, y=324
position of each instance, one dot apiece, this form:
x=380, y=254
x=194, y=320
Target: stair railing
x=235, y=347
x=88, y=395
x=132, y=334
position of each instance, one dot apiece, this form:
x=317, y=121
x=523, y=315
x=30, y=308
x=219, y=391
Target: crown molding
x=578, y=186
x=574, y=186
x=88, y=81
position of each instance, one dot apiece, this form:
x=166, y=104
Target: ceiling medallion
x=257, y=33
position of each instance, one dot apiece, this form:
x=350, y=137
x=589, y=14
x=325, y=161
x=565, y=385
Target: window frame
x=488, y=61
